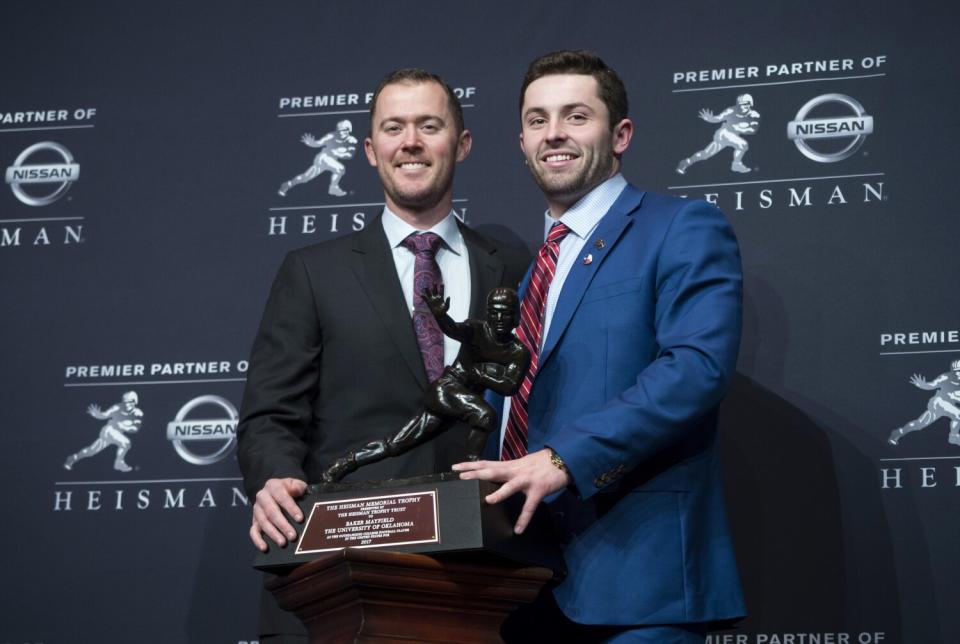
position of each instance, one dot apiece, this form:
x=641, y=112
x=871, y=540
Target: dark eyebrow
x=569, y=107
x=575, y=106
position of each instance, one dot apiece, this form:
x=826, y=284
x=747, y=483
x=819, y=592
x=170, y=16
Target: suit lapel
x=609, y=229
x=486, y=269
x=375, y=270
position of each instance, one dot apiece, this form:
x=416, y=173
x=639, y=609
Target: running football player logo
x=122, y=418
x=738, y=120
x=335, y=147
x=944, y=404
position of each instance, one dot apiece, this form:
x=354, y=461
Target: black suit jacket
x=335, y=362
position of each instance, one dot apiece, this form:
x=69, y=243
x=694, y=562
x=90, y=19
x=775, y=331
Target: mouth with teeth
x=558, y=158
x=412, y=165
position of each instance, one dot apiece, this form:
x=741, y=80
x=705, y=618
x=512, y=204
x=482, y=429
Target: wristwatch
x=557, y=461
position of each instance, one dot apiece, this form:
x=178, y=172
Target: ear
x=622, y=134
x=368, y=149
x=464, y=144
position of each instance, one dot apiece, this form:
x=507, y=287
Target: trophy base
x=425, y=515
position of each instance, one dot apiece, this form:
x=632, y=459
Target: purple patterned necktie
x=426, y=273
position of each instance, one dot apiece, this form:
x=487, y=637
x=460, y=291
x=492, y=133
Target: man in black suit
x=336, y=361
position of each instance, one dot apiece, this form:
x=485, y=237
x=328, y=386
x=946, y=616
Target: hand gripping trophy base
x=490, y=357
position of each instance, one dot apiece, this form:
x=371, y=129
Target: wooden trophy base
x=369, y=595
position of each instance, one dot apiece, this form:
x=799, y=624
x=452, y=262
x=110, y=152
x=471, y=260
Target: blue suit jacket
x=642, y=345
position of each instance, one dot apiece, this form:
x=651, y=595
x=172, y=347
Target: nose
x=555, y=131
x=411, y=137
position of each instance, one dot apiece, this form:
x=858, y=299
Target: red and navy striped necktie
x=529, y=332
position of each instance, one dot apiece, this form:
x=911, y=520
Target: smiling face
x=414, y=144
x=567, y=140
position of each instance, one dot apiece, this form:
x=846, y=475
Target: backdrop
x=143, y=145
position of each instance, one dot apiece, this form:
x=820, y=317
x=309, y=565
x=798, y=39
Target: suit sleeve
x=697, y=317
x=282, y=382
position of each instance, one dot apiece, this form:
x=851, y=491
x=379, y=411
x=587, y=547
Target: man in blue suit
x=638, y=338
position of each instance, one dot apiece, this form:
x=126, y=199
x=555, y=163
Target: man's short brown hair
x=416, y=76
x=580, y=61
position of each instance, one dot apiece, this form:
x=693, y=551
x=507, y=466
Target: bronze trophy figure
x=435, y=513
x=490, y=357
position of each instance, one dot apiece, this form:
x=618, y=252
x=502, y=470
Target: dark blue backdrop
x=160, y=247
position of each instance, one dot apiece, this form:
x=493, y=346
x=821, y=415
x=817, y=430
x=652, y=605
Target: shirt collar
x=584, y=215
x=397, y=230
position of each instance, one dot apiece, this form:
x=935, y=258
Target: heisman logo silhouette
x=944, y=404
x=339, y=145
x=738, y=120
x=122, y=418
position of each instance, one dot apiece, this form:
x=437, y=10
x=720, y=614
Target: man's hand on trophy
x=274, y=503
x=536, y=475
x=433, y=297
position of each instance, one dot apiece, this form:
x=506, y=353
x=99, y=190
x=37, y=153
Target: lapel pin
x=588, y=260
x=599, y=243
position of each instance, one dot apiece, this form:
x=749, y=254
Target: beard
x=569, y=187
x=417, y=197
